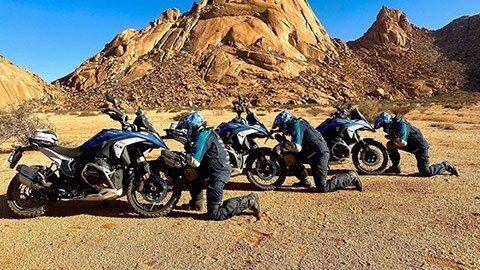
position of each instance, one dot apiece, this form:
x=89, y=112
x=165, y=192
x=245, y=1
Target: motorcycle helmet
x=383, y=119
x=282, y=120
x=193, y=123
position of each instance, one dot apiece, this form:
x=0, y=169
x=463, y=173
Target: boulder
x=378, y=93
x=419, y=88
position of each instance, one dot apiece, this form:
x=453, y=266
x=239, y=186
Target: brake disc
x=155, y=189
x=370, y=157
x=266, y=169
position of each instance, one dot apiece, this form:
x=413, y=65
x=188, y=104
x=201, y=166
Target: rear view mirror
x=110, y=99
x=239, y=96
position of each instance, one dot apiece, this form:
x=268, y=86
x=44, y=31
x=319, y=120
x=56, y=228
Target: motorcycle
x=263, y=167
x=341, y=131
x=108, y=166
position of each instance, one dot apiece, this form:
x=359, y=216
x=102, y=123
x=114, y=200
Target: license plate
x=13, y=158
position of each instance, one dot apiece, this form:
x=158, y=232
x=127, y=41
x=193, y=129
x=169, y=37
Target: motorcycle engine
x=235, y=159
x=101, y=174
x=340, y=150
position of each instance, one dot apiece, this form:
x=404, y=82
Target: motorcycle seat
x=68, y=152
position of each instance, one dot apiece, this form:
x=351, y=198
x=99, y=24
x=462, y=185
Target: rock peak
x=226, y=39
x=391, y=27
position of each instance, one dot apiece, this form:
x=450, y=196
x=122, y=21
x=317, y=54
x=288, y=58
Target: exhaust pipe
x=29, y=183
x=31, y=177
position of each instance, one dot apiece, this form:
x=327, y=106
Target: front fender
x=262, y=151
x=365, y=142
x=258, y=152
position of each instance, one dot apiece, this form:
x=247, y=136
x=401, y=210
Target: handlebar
x=118, y=116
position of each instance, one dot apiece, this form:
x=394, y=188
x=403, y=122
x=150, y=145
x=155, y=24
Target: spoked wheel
x=25, y=202
x=265, y=170
x=157, y=197
x=371, y=158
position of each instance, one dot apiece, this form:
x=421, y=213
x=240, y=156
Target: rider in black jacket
x=209, y=156
x=404, y=136
x=307, y=146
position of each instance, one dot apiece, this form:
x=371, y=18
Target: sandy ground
x=398, y=222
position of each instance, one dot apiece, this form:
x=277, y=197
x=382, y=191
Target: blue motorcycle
x=108, y=166
x=264, y=168
x=341, y=131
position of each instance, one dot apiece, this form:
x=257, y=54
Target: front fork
x=142, y=169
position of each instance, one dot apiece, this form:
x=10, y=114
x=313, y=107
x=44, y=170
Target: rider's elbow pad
x=193, y=162
x=400, y=142
x=294, y=147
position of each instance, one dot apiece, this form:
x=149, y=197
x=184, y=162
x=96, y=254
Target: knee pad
x=190, y=174
x=290, y=159
x=391, y=145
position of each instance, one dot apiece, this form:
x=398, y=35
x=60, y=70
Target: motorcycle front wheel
x=370, y=157
x=266, y=170
x=156, y=197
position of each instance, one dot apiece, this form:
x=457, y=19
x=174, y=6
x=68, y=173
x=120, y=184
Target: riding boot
x=196, y=203
x=356, y=181
x=450, y=168
x=302, y=175
x=393, y=169
x=234, y=206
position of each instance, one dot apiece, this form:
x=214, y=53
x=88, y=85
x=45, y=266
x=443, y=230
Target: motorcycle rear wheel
x=262, y=163
x=157, y=198
x=25, y=202
x=367, y=158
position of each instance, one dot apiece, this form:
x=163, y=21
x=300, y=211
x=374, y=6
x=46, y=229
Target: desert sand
x=398, y=222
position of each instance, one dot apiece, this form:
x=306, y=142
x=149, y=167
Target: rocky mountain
x=459, y=42
x=18, y=84
x=217, y=43
x=405, y=58
x=275, y=52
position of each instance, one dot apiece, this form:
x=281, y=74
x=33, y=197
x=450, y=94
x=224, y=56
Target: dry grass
x=437, y=119
x=180, y=115
x=370, y=109
x=314, y=111
x=349, y=226
x=19, y=123
x=454, y=106
x=87, y=113
x=445, y=126
x=403, y=110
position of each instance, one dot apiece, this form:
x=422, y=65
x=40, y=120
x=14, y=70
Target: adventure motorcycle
x=341, y=132
x=264, y=168
x=106, y=167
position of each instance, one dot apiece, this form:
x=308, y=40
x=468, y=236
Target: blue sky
x=52, y=37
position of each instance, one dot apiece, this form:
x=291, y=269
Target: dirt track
x=399, y=222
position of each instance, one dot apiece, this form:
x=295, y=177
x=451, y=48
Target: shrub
x=401, y=111
x=19, y=123
x=444, y=126
x=314, y=111
x=179, y=116
x=371, y=109
x=454, y=106
x=87, y=113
